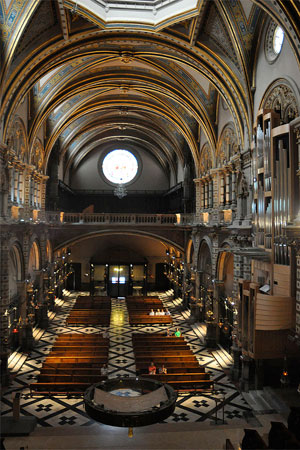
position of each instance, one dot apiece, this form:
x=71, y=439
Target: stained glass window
x=120, y=166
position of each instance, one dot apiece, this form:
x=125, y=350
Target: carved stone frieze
x=282, y=99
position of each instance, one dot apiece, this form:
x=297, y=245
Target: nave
x=59, y=410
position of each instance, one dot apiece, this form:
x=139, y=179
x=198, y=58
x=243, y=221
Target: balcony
x=61, y=218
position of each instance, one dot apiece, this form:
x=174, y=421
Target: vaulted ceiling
x=157, y=85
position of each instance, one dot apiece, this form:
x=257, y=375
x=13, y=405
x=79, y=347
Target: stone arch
x=190, y=252
x=49, y=252
x=227, y=145
x=15, y=269
x=166, y=241
x=224, y=269
x=204, y=263
x=283, y=97
x=34, y=259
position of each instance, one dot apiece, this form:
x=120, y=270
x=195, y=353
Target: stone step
x=276, y=402
x=257, y=402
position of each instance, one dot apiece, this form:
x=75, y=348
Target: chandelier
x=120, y=191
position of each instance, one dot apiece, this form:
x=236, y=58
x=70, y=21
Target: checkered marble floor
x=55, y=411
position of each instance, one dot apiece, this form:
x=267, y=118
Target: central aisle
x=121, y=357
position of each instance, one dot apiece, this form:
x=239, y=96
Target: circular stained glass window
x=120, y=166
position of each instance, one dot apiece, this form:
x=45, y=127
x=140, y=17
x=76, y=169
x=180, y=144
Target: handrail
x=111, y=218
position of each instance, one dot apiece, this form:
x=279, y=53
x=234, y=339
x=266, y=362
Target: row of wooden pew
x=90, y=311
x=139, y=308
x=183, y=369
x=73, y=365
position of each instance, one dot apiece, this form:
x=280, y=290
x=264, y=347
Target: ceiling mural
x=91, y=80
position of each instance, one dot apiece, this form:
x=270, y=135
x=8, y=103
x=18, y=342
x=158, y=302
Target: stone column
x=210, y=193
x=245, y=378
x=227, y=189
x=233, y=188
x=27, y=200
x=206, y=194
x=222, y=190
x=21, y=287
x=202, y=202
x=198, y=199
x=235, y=371
x=4, y=305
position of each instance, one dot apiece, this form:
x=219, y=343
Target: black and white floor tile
x=56, y=411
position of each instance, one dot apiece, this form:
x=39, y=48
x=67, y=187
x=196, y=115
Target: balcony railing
x=109, y=219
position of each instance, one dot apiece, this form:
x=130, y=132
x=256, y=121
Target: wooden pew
x=76, y=359
x=174, y=370
x=74, y=364
x=69, y=378
x=166, y=378
x=61, y=353
x=97, y=340
x=161, y=347
x=80, y=348
x=56, y=388
x=162, y=359
x=144, y=319
x=183, y=370
x=155, y=336
x=142, y=306
x=153, y=353
x=157, y=341
x=88, y=320
x=84, y=311
x=92, y=364
x=141, y=298
x=60, y=369
x=94, y=297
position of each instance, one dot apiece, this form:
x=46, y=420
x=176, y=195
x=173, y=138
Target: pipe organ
x=272, y=186
x=270, y=310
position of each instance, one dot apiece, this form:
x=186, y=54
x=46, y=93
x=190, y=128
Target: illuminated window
x=278, y=39
x=120, y=166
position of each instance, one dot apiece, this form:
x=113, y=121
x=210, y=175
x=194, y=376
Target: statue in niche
x=243, y=189
x=242, y=194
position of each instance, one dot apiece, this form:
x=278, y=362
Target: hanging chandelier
x=120, y=191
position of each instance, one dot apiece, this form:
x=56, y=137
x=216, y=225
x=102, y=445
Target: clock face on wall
x=278, y=40
x=120, y=166
x=273, y=42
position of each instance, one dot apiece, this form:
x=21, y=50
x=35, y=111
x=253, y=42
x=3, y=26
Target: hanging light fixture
x=120, y=191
